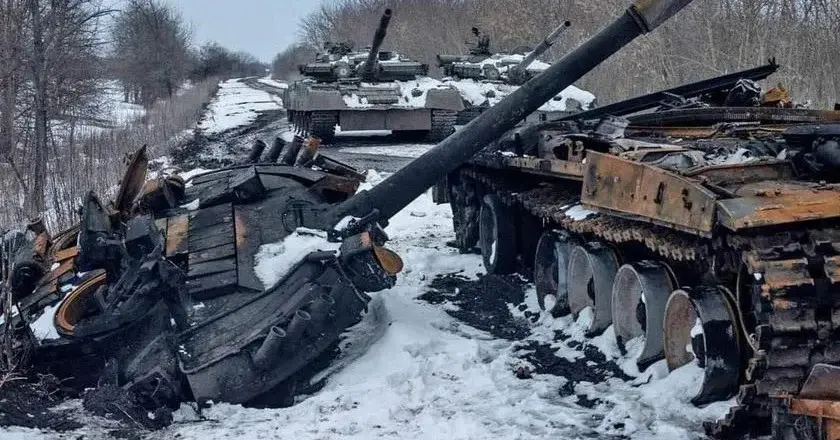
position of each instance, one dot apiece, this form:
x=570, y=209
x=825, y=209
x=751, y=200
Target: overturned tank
x=370, y=90
x=484, y=78
x=230, y=285
x=700, y=225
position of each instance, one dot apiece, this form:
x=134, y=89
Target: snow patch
x=578, y=213
x=410, y=151
x=275, y=260
x=272, y=83
x=43, y=327
x=480, y=93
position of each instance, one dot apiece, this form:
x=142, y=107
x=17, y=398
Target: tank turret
x=484, y=78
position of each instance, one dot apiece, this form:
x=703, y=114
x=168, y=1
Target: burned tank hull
x=181, y=296
x=706, y=236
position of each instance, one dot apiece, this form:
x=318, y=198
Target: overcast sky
x=261, y=27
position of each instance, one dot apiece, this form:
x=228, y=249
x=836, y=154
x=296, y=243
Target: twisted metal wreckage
x=158, y=289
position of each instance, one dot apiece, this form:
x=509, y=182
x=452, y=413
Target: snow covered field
x=410, y=370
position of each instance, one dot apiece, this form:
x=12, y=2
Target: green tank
x=484, y=77
x=370, y=90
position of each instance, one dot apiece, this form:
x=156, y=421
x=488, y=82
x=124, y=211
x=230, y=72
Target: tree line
x=709, y=38
x=55, y=56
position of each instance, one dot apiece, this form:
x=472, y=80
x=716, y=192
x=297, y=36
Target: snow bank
x=236, y=104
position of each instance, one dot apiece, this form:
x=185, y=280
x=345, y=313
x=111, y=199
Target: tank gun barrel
x=544, y=46
x=378, y=38
x=444, y=60
x=398, y=190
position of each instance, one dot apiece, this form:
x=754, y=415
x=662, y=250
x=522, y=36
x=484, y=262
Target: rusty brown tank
x=703, y=233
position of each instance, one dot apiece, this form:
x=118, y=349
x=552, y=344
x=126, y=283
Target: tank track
x=787, y=284
x=443, y=124
x=322, y=124
x=468, y=114
x=787, y=312
x=546, y=203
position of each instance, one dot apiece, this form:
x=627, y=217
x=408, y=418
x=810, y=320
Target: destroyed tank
x=234, y=285
x=483, y=78
x=371, y=90
x=700, y=225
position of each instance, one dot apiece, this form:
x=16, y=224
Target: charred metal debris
x=157, y=292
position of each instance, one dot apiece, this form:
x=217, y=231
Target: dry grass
x=96, y=161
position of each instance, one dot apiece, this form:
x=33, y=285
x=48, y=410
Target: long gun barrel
x=398, y=190
x=544, y=46
x=444, y=60
x=652, y=100
x=372, y=59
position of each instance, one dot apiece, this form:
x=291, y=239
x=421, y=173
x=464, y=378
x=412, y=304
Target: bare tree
x=151, y=48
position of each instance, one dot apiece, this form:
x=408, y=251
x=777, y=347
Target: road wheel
x=592, y=269
x=639, y=294
x=497, y=236
x=551, y=264
x=700, y=329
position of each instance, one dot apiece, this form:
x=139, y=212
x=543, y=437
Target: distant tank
x=484, y=78
x=370, y=90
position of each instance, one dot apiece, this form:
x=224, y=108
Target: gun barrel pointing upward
x=378, y=38
x=544, y=46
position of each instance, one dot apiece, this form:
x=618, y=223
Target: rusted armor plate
x=645, y=192
x=777, y=203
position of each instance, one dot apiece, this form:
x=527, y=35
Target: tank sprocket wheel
x=443, y=125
